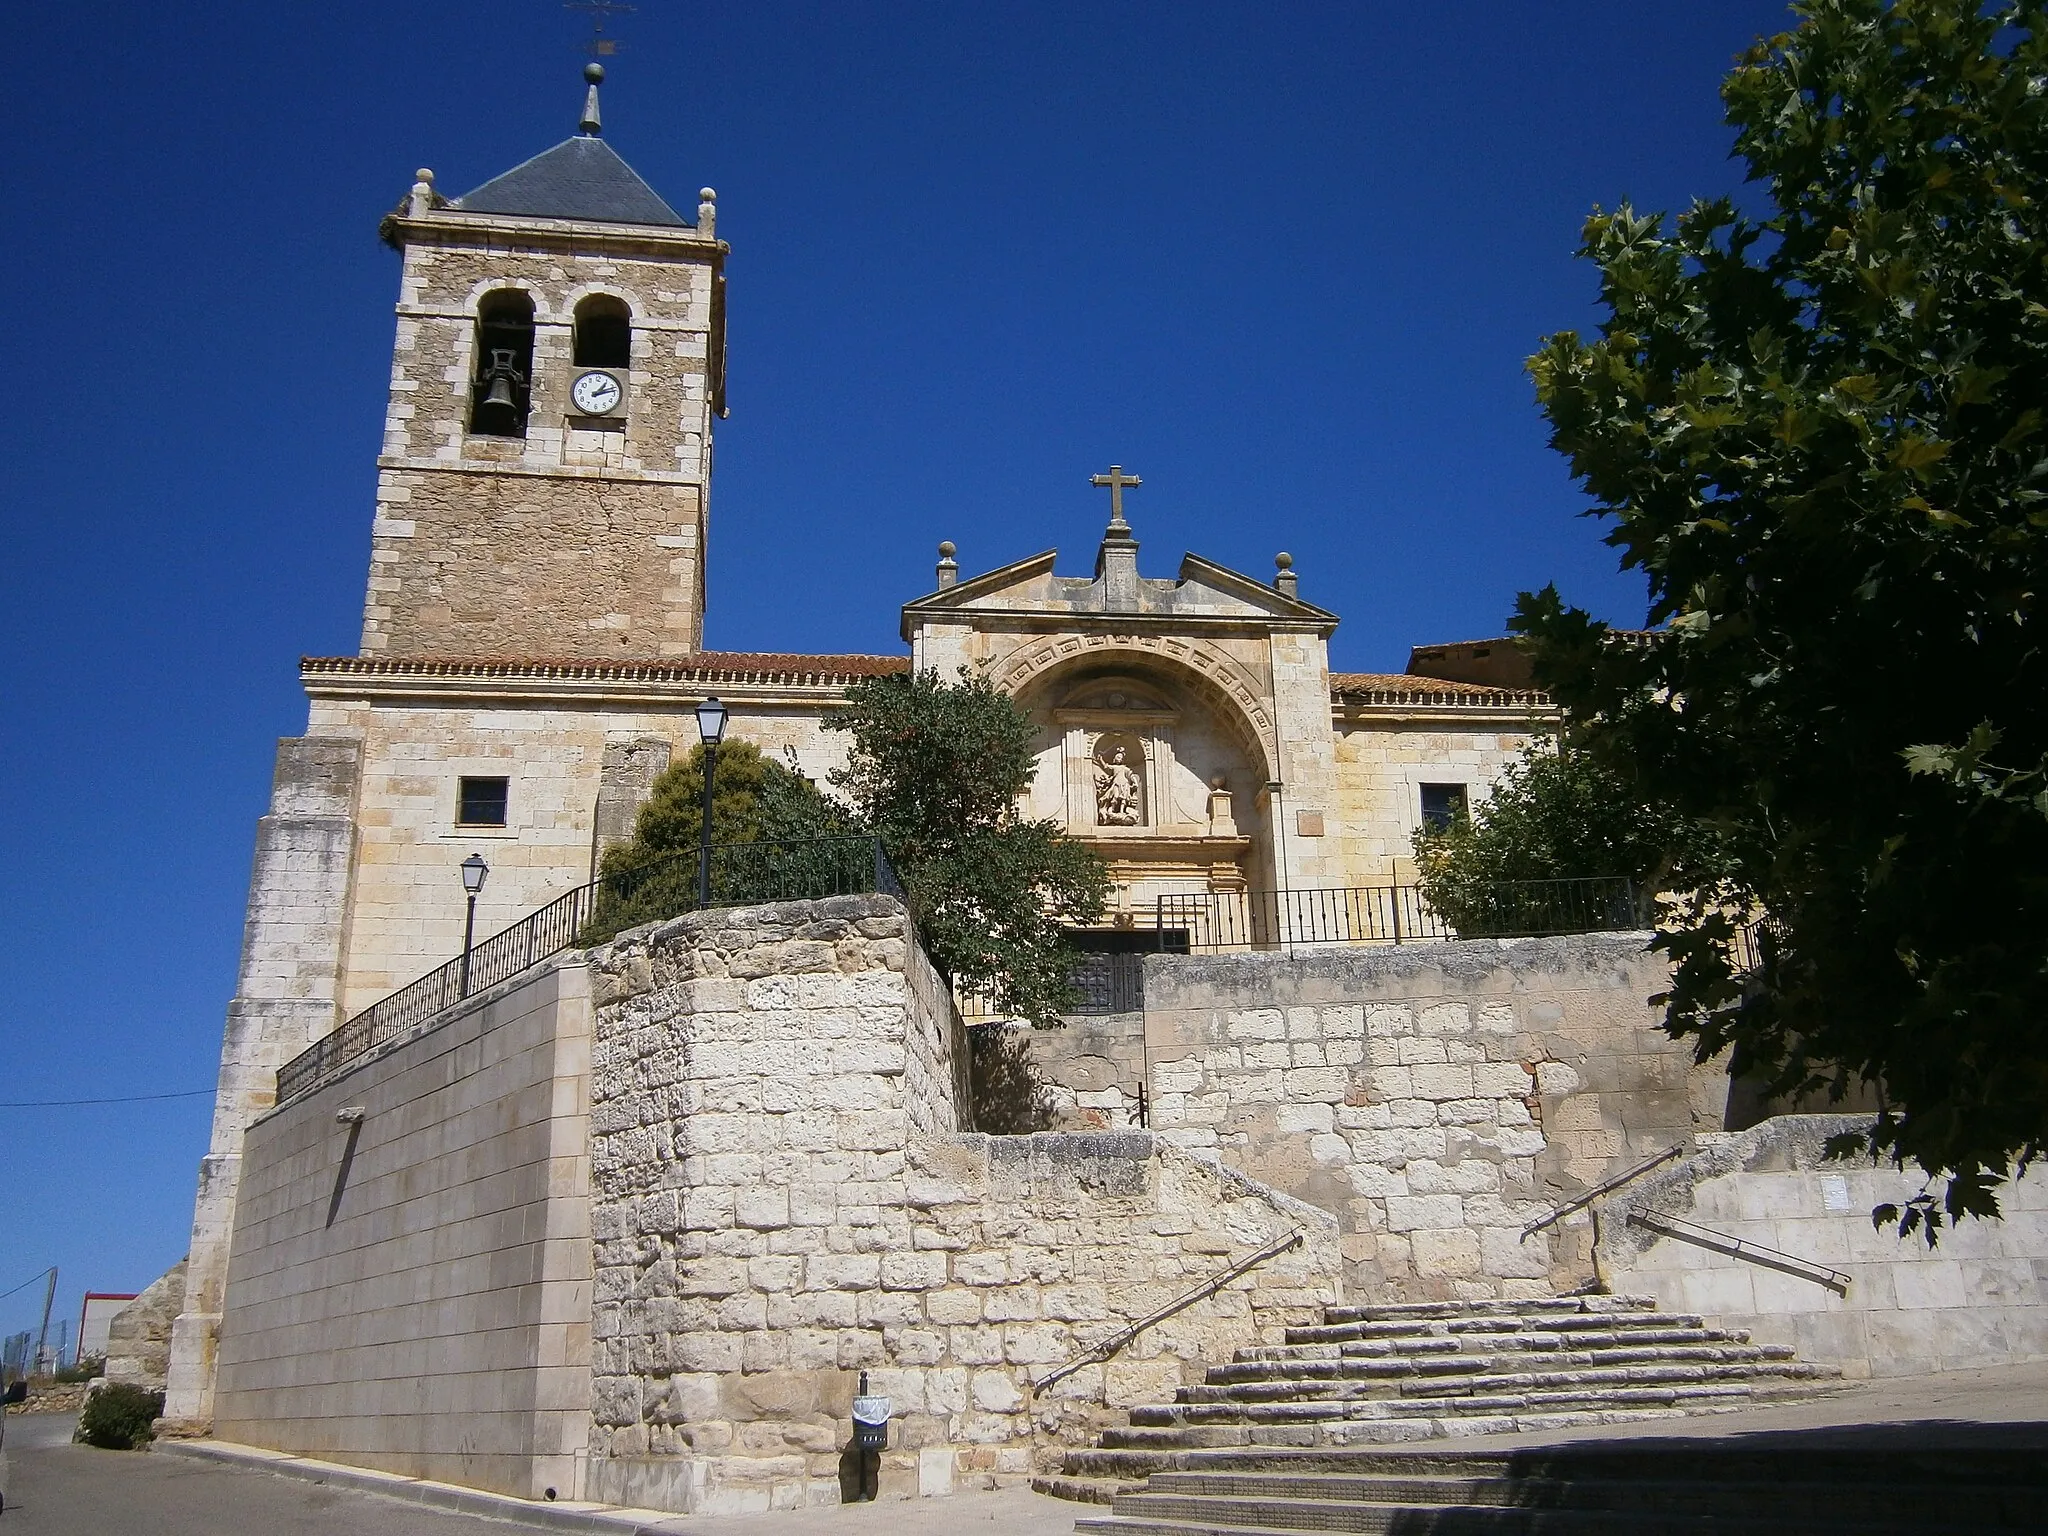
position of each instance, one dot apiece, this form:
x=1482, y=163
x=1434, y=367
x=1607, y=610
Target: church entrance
x=1109, y=968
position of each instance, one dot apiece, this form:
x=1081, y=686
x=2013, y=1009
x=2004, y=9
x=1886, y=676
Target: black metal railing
x=742, y=874
x=1396, y=914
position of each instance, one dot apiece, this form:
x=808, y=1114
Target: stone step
x=1084, y=1490
x=1657, y=1461
x=1671, y=1492
x=1451, y=1343
x=1130, y=1466
x=1480, y=1382
x=1543, y=1306
x=1530, y=1400
x=1170, y=1515
x=1491, y=1322
x=1379, y=1368
x=1137, y=1438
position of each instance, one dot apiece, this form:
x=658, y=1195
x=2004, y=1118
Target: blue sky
x=1283, y=260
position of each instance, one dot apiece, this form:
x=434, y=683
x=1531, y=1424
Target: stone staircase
x=1637, y=1488
x=1428, y=1370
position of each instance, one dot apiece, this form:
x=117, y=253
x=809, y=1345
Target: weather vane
x=601, y=11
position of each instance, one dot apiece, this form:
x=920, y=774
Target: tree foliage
x=1819, y=433
x=1554, y=814
x=769, y=827
x=936, y=770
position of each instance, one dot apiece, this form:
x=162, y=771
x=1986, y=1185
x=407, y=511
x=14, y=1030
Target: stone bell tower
x=544, y=485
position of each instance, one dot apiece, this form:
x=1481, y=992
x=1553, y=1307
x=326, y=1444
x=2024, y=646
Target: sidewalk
x=1012, y=1512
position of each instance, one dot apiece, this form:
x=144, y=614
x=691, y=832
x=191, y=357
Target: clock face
x=595, y=394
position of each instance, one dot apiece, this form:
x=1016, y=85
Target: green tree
x=935, y=770
x=1555, y=814
x=774, y=836
x=1819, y=434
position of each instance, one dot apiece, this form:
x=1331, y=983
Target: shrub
x=118, y=1417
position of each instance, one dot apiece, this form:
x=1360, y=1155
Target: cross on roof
x=1116, y=480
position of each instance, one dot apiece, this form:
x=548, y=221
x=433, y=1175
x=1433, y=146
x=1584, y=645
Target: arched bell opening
x=501, y=390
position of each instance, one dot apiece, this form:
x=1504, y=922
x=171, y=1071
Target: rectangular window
x=1442, y=804
x=480, y=802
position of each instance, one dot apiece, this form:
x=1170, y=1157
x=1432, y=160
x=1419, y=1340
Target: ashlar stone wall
x=1437, y=1097
x=1978, y=1298
x=409, y=1287
x=782, y=1201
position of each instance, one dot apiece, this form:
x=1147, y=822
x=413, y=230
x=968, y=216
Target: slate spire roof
x=580, y=178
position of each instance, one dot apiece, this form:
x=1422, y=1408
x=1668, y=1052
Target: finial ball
x=707, y=195
x=423, y=174
x=1284, y=560
x=594, y=73
x=946, y=549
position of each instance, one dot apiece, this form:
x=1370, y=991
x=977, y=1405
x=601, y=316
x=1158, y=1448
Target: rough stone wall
x=412, y=1292
x=1437, y=1096
x=778, y=1206
x=139, y=1336
x=468, y=564
x=1979, y=1298
x=551, y=545
x=286, y=993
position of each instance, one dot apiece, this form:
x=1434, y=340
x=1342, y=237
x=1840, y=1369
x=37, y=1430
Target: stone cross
x=1116, y=480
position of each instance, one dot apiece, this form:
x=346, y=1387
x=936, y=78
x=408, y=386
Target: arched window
x=604, y=333
x=502, y=390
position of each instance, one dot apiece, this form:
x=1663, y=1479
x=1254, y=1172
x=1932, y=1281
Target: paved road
x=55, y=1488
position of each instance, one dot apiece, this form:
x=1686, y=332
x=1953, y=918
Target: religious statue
x=1116, y=792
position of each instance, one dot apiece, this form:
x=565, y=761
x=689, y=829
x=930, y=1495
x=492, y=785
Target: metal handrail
x=1580, y=1201
x=1393, y=914
x=1736, y=1248
x=1207, y=1288
x=641, y=896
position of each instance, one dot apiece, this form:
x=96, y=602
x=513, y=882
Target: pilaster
x=285, y=998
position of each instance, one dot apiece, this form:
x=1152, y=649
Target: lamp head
x=711, y=721
x=473, y=871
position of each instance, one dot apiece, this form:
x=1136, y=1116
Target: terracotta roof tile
x=737, y=666
x=1405, y=688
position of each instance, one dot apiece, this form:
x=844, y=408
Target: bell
x=501, y=390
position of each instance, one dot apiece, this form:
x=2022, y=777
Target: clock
x=596, y=394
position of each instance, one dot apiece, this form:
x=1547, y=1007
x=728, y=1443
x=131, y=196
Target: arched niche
x=1155, y=769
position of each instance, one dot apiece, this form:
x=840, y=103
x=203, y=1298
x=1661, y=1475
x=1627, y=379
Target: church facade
x=533, y=648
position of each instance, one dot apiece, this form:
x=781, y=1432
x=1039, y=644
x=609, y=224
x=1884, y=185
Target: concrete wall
x=413, y=1294
x=781, y=1202
x=1437, y=1096
x=1980, y=1297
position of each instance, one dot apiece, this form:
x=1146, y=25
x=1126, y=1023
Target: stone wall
x=412, y=1292
x=1978, y=1298
x=406, y=914
x=1437, y=1096
x=139, y=1336
x=488, y=546
x=780, y=1203
x=294, y=948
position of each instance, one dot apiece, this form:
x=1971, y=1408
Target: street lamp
x=473, y=871
x=710, y=731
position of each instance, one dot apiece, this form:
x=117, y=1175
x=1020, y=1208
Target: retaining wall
x=412, y=1292
x=1979, y=1297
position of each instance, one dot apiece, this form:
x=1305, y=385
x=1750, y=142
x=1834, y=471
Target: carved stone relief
x=1118, y=764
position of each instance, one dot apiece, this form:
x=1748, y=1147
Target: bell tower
x=544, y=485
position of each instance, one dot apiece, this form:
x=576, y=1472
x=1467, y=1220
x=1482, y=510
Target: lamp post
x=710, y=731
x=473, y=871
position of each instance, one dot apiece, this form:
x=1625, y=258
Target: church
x=532, y=656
